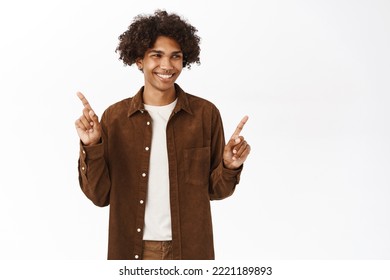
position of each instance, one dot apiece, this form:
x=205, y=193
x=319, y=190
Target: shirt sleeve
x=94, y=176
x=223, y=181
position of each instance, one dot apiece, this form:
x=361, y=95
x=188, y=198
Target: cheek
x=179, y=66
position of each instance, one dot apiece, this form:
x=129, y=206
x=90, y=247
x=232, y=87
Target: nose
x=165, y=64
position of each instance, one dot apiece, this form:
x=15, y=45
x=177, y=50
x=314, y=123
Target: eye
x=156, y=55
x=176, y=56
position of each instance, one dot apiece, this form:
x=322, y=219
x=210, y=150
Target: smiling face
x=161, y=65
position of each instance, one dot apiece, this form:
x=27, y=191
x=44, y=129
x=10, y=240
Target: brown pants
x=157, y=250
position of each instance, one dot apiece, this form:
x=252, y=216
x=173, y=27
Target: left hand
x=237, y=149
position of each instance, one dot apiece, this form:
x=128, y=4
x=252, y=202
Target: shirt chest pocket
x=197, y=166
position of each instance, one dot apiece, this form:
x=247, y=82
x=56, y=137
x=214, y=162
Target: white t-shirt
x=158, y=211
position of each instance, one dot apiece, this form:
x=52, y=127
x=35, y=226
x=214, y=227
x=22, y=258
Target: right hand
x=88, y=126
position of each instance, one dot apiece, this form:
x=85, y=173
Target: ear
x=139, y=63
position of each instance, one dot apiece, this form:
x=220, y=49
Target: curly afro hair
x=144, y=30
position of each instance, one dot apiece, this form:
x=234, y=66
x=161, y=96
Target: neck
x=157, y=97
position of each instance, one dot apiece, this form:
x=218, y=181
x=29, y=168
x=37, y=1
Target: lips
x=165, y=76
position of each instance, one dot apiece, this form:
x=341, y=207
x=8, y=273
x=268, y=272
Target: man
x=159, y=157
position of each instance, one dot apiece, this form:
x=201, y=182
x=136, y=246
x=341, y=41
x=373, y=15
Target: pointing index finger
x=239, y=127
x=84, y=100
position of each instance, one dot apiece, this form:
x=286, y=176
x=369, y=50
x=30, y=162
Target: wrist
x=92, y=143
x=230, y=166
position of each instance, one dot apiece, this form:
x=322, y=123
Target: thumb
x=93, y=116
x=233, y=142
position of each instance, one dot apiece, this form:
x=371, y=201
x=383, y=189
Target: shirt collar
x=137, y=105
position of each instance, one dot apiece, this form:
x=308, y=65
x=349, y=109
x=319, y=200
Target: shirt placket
x=173, y=189
x=143, y=185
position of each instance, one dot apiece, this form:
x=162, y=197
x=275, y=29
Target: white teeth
x=165, y=76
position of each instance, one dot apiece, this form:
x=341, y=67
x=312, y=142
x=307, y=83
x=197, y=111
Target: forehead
x=166, y=44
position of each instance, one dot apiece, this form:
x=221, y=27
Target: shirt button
x=138, y=230
x=146, y=148
x=136, y=256
x=143, y=174
x=141, y=201
x=148, y=123
x=83, y=152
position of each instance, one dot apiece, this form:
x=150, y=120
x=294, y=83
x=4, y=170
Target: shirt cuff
x=91, y=152
x=232, y=173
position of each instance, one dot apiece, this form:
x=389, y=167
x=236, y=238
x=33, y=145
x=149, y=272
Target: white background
x=313, y=76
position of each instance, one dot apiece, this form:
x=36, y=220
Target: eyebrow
x=161, y=52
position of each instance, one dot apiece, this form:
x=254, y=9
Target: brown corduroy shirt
x=115, y=173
